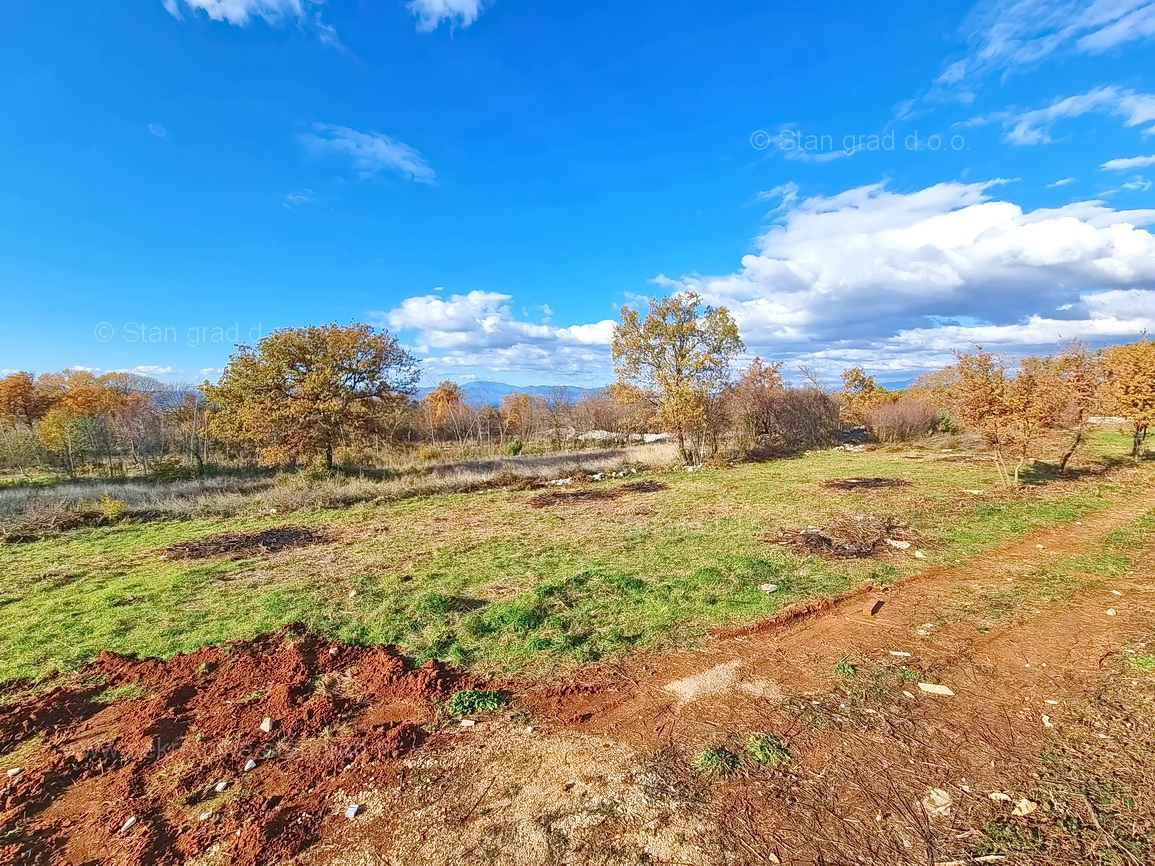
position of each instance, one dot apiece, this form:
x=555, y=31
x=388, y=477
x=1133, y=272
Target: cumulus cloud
x=900, y=279
x=152, y=370
x=430, y=13
x=1005, y=35
x=892, y=280
x=1034, y=126
x=370, y=152
x=479, y=330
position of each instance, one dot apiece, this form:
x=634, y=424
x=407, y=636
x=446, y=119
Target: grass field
x=493, y=580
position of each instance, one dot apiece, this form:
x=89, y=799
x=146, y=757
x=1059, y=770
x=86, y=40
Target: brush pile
x=853, y=536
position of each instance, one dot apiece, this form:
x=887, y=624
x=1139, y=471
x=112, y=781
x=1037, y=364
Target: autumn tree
x=1077, y=380
x=861, y=395
x=681, y=354
x=1010, y=410
x=23, y=402
x=1130, y=372
x=302, y=392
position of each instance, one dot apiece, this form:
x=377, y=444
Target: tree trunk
x=1071, y=452
x=329, y=456
x=1137, y=440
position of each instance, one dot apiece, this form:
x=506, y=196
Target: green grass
x=718, y=761
x=467, y=702
x=1144, y=663
x=488, y=580
x=767, y=750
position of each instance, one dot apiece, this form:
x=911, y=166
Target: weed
x=466, y=702
x=1145, y=663
x=767, y=749
x=845, y=669
x=718, y=761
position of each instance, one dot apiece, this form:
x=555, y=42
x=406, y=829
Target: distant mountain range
x=480, y=393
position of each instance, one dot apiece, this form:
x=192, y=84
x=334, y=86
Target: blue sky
x=858, y=183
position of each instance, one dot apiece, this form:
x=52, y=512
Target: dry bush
x=793, y=419
x=901, y=421
x=45, y=517
x=853, y=536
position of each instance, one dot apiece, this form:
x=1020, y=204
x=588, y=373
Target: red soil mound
x=340, y=716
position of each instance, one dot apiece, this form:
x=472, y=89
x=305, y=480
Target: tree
x=1077, y=377
x=23, y=402
x=302, y=392
x=861, y=394
x=1130, y=372
x=1010, y=411
x=681, y=353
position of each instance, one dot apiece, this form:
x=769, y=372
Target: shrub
x=767, y=750
x=514, y=447
x=902, y=421
x=111, y=509
x=42, y=518
x=466, y=702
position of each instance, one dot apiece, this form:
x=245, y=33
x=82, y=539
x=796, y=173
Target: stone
x=353, y=811
x=936, y=689
x=267, y=725
x=128, y=825
x=14, y=772
x=467, y=723
x=250, y=765
x=221, y=787
x=769, y=587
x=937, y=803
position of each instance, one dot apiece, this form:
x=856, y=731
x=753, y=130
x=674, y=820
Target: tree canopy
x=681, y=353
x=302, y=392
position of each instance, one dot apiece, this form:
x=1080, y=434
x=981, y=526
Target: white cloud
x=430, y=13
x=157, y=130
x=1128, y=163
x=1063, y=181
x=299, y=197
x=369, y=152
x=479, y=330
x=152, y=370
x=899, y=279
x=1005, y=35
x=239, y=12
x=1034, y=127
x=891, y=280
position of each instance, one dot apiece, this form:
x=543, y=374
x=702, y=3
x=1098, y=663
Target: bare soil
x=1046, y=711
x=601, y=494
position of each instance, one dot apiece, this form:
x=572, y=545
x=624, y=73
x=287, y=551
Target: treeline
x=345, y=395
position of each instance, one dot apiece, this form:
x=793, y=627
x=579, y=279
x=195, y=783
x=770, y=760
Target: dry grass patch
x=242, y=544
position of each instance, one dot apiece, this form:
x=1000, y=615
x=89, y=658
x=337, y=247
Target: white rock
x=999, y=797
x=1110, y=611
x=918, y=554
x=901, y=545
x=221, y=787
x=937, y=803
x=1047, y=722
x=14, y=772
x=467, y=723
x=205, y=815
x=250, y=765
x=899, y=654
x=353, y=811
x=128, y=825
x=267, y=725
x=769, y=587
x=1024, y=807
x=936, y=689
x=1115, y=592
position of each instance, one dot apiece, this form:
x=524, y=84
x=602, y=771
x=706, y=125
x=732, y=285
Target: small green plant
x=469, y=701
x=113, y=510
x=845, y=669
x=514, y=447
x=718, y=761
x=1145, y=663
x=767, y=749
